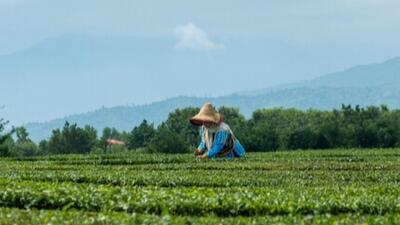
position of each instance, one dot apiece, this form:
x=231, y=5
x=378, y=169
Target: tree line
x=266, y=130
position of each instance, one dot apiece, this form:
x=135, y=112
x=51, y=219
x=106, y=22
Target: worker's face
x=208, y=124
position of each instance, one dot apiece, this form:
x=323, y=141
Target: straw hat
x=207, y=114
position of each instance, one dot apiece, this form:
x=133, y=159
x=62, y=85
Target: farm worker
x=217, y=139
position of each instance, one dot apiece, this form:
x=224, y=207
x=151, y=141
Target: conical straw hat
x=207, y=114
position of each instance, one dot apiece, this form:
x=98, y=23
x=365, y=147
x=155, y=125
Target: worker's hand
x=198, y=152
x=204, y=156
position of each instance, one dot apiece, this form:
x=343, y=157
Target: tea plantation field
x=350, y=186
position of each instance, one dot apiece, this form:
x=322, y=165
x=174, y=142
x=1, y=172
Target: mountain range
x=373, y=84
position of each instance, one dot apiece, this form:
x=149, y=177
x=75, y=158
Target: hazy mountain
x=385, y=74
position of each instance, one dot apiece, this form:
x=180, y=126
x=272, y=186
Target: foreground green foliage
x=34, y=216
x=305, y=187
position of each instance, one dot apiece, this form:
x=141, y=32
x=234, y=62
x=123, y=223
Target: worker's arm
x=218, y=143
x=202, y=146
x=200, y=149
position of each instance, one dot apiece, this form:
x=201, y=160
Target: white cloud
x=192, y=37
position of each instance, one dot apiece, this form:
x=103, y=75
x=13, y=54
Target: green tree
x=91, y=133
x=23, y=146
x=141, y=135
x=234, y=119
x=72, y=139
x=178, y=122
x=302, y=138
x=261, y=137
x=168, y=141
x=22, y=134
x=5, y=139
x=44, y=147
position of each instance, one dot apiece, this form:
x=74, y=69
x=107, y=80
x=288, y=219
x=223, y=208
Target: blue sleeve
x=218, y=144
x=239, y=149
x=202, y=146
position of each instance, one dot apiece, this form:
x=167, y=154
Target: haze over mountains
x=373, y=84
x=70, y=74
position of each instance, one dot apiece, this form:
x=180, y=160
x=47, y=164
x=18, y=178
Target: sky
x=299, y=41
x=26, y=22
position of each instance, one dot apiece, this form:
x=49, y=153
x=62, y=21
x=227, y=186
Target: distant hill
x=385, y=75
x=374, y=75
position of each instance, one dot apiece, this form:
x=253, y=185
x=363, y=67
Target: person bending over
x=217, y=138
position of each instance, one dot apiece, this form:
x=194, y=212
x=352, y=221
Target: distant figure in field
x=110, y=142
x=217, y=139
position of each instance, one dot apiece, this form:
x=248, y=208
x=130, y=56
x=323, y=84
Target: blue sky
x=241, y=45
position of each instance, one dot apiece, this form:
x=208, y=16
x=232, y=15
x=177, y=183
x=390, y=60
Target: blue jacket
x=220, y=137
